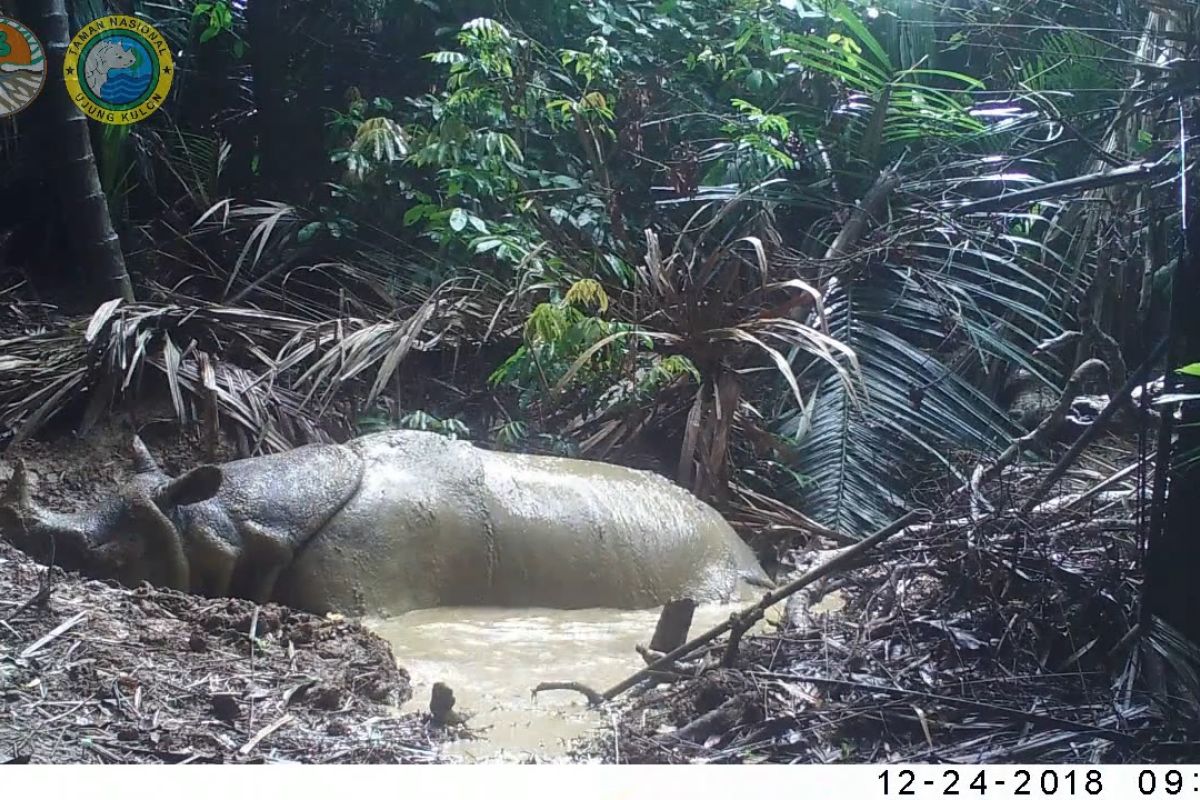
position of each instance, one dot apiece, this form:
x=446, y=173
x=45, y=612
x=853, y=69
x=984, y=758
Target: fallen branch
x=719, y=720
x=1114, y=177
x=264, y=733
x=594, y=697
x=673, y=625
x=54, y=634
x=1097, y=427
x=743, y=620
x=1041, y=433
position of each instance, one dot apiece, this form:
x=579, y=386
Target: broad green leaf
x=851, y=21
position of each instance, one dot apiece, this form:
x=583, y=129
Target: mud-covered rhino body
x=401, y=520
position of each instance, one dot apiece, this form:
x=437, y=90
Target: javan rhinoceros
x=401, y=520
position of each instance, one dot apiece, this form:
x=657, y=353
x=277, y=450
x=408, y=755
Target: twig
x=594, y=697
x=39, y=597
x=264, y=733
x=54, y=634
x=748, y=617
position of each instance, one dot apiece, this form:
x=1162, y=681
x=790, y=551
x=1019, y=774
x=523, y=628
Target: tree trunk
x=62, y=131
x=1172, y=592
x=267, y=38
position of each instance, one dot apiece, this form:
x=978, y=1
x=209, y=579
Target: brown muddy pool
x=492, y=658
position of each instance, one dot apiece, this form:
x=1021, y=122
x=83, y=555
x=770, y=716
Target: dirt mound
x=94, y=673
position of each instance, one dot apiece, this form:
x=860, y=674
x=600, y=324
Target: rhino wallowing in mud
x=396, y=521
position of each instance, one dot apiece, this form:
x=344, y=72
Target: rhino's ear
x=196, y=486
x=143, y=460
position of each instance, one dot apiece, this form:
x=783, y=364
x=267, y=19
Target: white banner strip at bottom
x=593, y=782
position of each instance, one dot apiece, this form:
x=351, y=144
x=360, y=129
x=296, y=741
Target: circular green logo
x=118, y=70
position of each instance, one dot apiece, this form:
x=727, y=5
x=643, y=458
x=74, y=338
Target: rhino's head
x=130, y=537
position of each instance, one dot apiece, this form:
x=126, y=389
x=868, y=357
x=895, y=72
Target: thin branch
x=746, y=618
x=1097, y=427
x=1137, y=173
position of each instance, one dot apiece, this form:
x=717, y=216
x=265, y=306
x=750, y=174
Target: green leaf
x=416, y=214
x=974, y=83
x=210, y=33
x=308, y=232
x=847, y=17
x=1190, y=369
x=458, y=220
x=1145, y=140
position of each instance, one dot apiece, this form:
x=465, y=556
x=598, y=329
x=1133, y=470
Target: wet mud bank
x=93, y=673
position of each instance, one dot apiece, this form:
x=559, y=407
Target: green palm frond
x=883, y=103
x=918, y=408
x=927, y=321
x=1074, y=67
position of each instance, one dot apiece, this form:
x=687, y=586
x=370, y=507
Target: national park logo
x=22, y=67
x=118, y=70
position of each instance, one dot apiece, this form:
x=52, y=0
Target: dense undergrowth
x=775, y=249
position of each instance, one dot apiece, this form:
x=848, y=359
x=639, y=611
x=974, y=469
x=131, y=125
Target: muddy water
x=491, y=658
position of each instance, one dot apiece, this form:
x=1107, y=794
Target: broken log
x=673, y=626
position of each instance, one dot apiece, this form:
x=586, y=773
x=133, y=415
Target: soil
x=95, y=672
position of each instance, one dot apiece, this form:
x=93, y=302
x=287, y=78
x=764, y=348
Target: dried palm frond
x=100, y=358
x=274, y=224
x=235, y=363
x=350, y=350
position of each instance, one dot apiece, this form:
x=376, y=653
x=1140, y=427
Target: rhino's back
x=440, y=522
x=411, y=537
x=581, y=533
